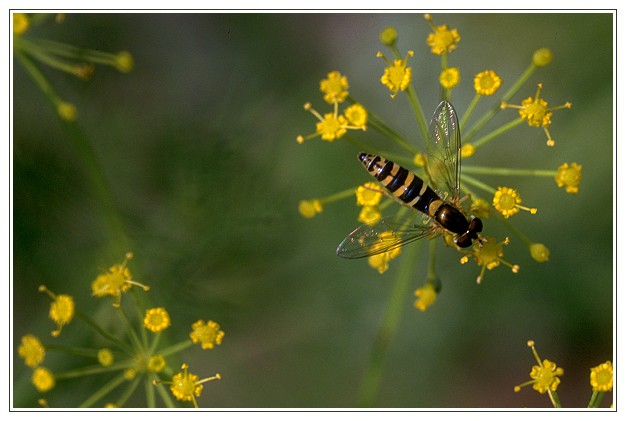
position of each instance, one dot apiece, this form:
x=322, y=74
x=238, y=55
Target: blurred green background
x=198, y=147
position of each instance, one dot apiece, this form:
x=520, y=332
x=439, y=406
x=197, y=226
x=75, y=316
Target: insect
x=443, y=167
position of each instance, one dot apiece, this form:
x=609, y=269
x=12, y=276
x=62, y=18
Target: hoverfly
x=443, y=167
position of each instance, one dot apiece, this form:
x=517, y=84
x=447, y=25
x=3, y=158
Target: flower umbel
x=61, y=309
x=487, y=83
x=335, y=87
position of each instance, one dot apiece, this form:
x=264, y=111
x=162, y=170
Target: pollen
x=334, y=87
x=569, y=176
x=356, y=115
x=20, y=23
x=369, y=194
x=31, y=350
x=601, y=377
x=507, y=202
x=43, y=379
x=397, y=75
x=309, y=208
x=450, y=77
x=156, y=320
x=487, y=83
x=207, y=334
x=426, y=297
x=442, y=39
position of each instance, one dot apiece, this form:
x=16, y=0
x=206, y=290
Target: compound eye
x=475, y=225
x=463, y=241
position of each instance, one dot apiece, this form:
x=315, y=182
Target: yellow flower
x=369, y=215
x=20, y=23
x=156, y=320
x=542, y=57
x=114, y=282
x=186, y=386
x=544, y=375
x=397, y=75
x=335, y=87
x=419, y=159
x=487, y=83
x=380, y=261
x=539, y=252
x=488, y=255
x=389, y=36
x=442, y=39
x=309, y=208
x=61, y=311
x=124, y=62
x=426, y=297
x=356, y=115
x=369, y=194
x=43, y=379
x=467, y=150
x=67, y=111
x=31, y=350
x=450, y=77
x=156, y=363
x=208, y=334
x=507, y=201
x=535, y=111
x=105, y=357
x=569, y=176
x=601, y=378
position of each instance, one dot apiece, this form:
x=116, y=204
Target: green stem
x=596, y=399
x=474, y=182
x=103, y=391
x=121, y=345
x=338, y=196
x=165, y=396
x=516, y=232
x=95, y=369
x=468, y=169
x=497, y=132
x=417, y=110
x=469, y=111
x=386, y=331
x=554, y=398
x=176, y=348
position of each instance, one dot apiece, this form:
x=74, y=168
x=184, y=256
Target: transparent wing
x=387, y=234
x=443, y=163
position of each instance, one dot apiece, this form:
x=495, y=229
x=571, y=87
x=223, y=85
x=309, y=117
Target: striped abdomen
x=414, y=192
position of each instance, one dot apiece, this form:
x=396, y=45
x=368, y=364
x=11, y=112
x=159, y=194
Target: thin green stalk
x=338, y=196
x=497, y=132
x=165, y=396
x=469, y=111
x=517, y=232
x=596, y=399
x=417, y=110
x=150, y=398
x=386, y=331
x=103, y=391
x=176, y=348
x=468, y=169
x=554, y=398
x=96, y=369
x=477, y=183
x=121, y=345
x=121, y=401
